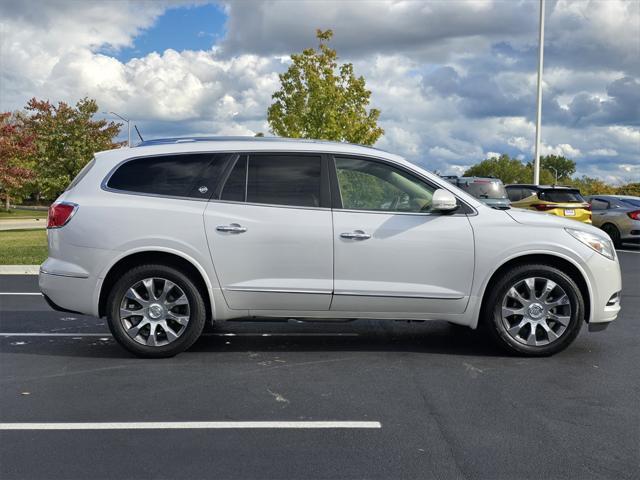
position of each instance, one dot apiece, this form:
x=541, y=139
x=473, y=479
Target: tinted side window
x=175, y=175
x=368, y=185
x=514, y=193
x=284, y=180
x=598, y=204
x=235, y=187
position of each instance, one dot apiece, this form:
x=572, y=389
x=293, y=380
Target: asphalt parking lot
x=418, y=400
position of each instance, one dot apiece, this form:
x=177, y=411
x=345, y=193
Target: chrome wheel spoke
x=148, y=284
x=514, y=294
x=515, y=330
x=125, y=312
x=530, y=284
x=135, y=330
x=181, y=319
x=508, y=311
x=561, y=319
x=563, y=300
x=152, y=340
x=168, y=285
x=551, y=335
x=132, y=294
x=171, y=335
x=181, y=300
x=531, y=339
x=549, y=287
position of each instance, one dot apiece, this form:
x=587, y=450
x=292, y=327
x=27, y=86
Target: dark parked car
x=489, y=190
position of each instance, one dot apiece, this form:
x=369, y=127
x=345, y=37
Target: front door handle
x=356, y=235
x=231, y=228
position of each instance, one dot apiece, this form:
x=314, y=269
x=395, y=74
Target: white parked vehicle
x=172, y=234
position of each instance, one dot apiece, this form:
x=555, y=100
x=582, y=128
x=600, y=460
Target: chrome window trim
x=272, y=205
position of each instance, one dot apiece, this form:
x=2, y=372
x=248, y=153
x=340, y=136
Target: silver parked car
x=618, y=215
x=172, y=234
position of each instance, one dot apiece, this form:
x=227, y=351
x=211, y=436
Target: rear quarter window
x=189, y=175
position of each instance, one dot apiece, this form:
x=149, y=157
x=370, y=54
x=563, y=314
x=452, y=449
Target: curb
x=19, y=269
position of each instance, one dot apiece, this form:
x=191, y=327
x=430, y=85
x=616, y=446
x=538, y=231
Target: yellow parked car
x=556, y=200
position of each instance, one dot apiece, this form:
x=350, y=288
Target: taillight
x=60, y=214
x=544, y=207
x=634, y=215
x=587, y=206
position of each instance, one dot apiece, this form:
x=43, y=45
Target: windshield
x=485, y=189
x=631, y=202
x=561, y=196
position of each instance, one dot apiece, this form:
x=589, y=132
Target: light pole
x=124, y=120
x=555, y=171
x=536, y=162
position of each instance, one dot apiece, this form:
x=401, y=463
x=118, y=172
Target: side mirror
x=443, y=201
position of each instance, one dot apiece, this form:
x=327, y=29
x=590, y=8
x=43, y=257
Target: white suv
x=172, y=234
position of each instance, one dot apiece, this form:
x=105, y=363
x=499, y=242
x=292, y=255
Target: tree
x=592, y=186
x=507, y=169
x=564, y=166
x=629, y=189
x=66, y=138
x=320, y=99
x=15, y=146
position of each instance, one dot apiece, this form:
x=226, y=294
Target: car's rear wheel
x=614, y=233
x=156, y=311
x=534, y=310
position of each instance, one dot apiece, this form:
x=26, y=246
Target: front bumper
x=606, y=284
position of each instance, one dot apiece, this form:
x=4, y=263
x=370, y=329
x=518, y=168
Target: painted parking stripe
x=189, y=425
x=215, y=334
x=628, y=251
x=21, y=293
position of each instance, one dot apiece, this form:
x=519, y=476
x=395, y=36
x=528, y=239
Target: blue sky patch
x=182, y=28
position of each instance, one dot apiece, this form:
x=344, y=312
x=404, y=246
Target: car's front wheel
x=156, y=311
x=534, y=310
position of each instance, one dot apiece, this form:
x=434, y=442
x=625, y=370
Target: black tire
x=611, y=230
x=190, y=333
x=491, y=317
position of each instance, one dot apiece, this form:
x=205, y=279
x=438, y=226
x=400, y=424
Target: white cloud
x=489, y=155
x=603, y=152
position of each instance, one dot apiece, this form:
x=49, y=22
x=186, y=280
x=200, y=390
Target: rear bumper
x=68, y=294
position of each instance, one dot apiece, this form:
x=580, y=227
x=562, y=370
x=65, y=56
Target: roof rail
x=175, y=140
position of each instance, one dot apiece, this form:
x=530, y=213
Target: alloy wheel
x=154, y=312
x=536, y=311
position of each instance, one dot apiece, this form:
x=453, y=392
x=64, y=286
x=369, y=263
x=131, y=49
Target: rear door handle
x=231, y=228
x=356, y=235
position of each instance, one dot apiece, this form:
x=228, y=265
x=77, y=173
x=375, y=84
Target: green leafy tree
x=65, y=139
x=507, y=169
x=16, y=145
x=592, y=186
x=319, y=98
x=629, y=189
x=564, y=166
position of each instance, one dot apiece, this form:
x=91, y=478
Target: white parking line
x=20, y=293
x=215, y=334
x=628, y=251
x=187, y=425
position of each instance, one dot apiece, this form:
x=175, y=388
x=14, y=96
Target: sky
x=455, y=80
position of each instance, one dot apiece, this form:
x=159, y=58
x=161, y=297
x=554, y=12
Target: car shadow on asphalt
x=362, y=336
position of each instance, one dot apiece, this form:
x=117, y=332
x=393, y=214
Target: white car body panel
x=292, y=254
x=283, y=259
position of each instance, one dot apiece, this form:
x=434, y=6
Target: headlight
x=598, y=243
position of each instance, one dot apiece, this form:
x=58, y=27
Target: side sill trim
x=69, y=275
x=278, y=290
x=393, y=295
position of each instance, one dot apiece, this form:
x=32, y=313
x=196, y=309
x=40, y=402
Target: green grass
x=23, y=247
x=13, y=214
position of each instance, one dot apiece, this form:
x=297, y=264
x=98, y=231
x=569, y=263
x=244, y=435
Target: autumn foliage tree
x=318, y=98
x=15, y=145
x=65, y=139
